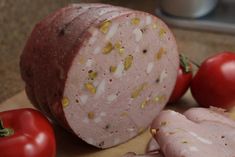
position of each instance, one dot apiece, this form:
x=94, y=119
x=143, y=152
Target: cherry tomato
x=214, y=83
x=26, y=133
x=184, y=78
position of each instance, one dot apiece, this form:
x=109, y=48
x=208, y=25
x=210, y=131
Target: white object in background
x=188, y=8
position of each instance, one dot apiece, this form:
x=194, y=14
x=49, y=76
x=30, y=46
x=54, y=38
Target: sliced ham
x=179, y=136
x=212, y=114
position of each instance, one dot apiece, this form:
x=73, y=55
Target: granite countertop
x=17, y=19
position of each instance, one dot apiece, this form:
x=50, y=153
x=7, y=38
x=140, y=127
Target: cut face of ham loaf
x=108, y=82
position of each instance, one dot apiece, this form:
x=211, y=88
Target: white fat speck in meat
x=100, y=89
x=193, y=149
x=94, y=37
x=130, y=129
x=97, y=50
x=148, y=20
x=163, y=75
x=138, y=34
x=119, y=70
x=112, y=31
x=85, y=120
x=103, y=114
x=89, y=63
x=149, y=67
x=83, y=99
x=111, y=98
x=137, y=49
x=97, y=119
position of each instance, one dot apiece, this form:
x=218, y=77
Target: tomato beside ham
x=184, y=78
x=214, y=83
x=26, y=133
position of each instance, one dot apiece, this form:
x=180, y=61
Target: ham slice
x=194, y=135
x=212, y=114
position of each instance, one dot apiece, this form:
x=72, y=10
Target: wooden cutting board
x=70, y=146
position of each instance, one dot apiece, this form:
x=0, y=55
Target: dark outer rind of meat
x=60, y=18
x=64, y=22
x=41, y=31
x=44, y=45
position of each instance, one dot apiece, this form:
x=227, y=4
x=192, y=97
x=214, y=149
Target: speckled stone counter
x=17, y=18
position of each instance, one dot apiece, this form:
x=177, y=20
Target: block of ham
x=103, y=72
x=180, y=136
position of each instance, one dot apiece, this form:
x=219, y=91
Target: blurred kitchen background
x=196, y=37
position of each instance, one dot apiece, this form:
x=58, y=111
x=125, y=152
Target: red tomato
x=26, y=133
x=214, y=83
x=184, y=78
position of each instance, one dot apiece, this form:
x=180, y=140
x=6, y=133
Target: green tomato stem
x=5, y=132
x=185, y=63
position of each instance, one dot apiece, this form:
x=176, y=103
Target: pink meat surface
x=179, y=136
x=212, y=114
x=103, y=72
